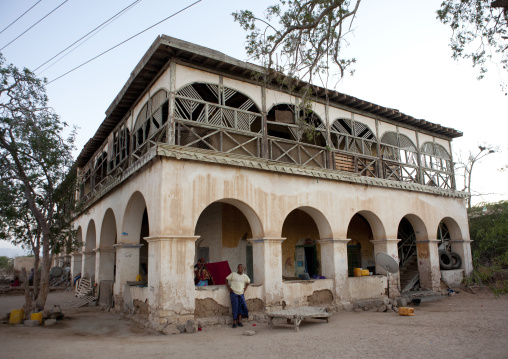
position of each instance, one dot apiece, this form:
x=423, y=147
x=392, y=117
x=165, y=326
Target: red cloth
x=219, y=271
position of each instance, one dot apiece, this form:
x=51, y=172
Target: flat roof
x=165, y=47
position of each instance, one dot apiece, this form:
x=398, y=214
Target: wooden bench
x=299, y=314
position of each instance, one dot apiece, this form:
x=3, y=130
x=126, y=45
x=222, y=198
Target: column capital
x=385, y=240
x=428, y=241
x=170, y=237
x=127, y=245
x=266, y=240
x=333, y=240
x=104, y=249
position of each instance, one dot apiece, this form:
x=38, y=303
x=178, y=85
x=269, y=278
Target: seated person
x=202, y=276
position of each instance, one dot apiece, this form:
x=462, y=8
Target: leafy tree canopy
x=480, y=31
x=300, y=38
x=35, y=159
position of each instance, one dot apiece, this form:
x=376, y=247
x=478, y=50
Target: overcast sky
x=403, y=62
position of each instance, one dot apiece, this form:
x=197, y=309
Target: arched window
x=398, y=147
x=354, y=137
x=400, y=158
x=218, y=106
x=287, y=122
x=121, y=144
x=152, y=116
x=100, y=169
x=437, y=165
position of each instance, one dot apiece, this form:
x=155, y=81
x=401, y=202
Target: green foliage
x=300, y=38
x=488, y=227
x=6, y=262
x=480, y=31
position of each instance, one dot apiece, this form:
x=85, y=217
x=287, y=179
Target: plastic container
x=17, y=316
x=365, y=272
x=138, y=278
x=36, y=316
x=406, y=311
x=358, y=272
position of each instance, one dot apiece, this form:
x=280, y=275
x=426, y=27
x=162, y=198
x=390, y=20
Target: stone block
x=31, y=323
x=249, y=332
x=171, y=329
x=191, y=326
x=381, y=308
x=49, y=322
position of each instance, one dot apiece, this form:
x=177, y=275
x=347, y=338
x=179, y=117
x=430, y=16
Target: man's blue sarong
x=239, y=306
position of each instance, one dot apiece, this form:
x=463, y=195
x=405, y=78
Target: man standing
x=237, y=283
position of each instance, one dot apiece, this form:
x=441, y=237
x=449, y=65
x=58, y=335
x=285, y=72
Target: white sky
x=403, y=62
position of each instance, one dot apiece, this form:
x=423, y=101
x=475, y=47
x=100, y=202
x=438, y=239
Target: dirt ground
x=462, y=326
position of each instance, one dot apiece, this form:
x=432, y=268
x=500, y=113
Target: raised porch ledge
x=188, y=153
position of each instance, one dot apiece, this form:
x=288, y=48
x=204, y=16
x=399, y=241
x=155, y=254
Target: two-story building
x=198, y=159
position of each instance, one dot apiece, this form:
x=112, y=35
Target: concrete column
x=105, y=268
x=88, y=264
x=428, y=264
x=334, y=266
x=388, y=246
x=171, y=287
x=127, y=264
x=463, y=248
x=267, y=256
x=76, y=259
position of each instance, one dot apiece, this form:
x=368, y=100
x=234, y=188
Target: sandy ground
x=462, y=326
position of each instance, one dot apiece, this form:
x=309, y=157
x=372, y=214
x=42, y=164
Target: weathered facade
x=198, y=159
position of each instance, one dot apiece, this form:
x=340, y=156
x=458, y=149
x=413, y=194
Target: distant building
x=196, y=158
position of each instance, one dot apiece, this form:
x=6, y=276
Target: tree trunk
x=36, y=279
x=46, y=266
x=28, y=307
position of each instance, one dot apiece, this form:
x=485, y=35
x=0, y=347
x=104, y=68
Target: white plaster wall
x=444, y=143
x=422, y=137
x=187, y=75
x=296, y=292
x=385, y=127
x=137, y=108
x=275, y=98
x=336, y=113
x=220, y=293
x=367, y=287
x=163, y=82
x=209, y=228
x=272, y=196
x=248, y=89
x=368, y=121
x=409, y=133
x=320, y=110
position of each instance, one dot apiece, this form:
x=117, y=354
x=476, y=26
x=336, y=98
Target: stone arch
x=249, y=213
x=132, y=218
x=224, y=228
x=79, y=239
x=88, y=265
x=360, y=248
x=108, y=238
x=419, y=227
x=302, y=228
x=91, y=236
x=453, y=228
x=377, y=227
